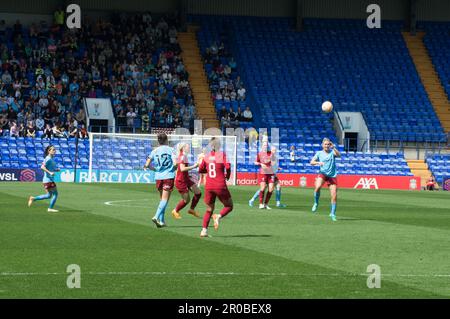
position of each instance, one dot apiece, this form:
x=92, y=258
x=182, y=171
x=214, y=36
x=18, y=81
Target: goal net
x=120, y=158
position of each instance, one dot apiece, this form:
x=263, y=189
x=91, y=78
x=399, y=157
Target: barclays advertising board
x=106, y=176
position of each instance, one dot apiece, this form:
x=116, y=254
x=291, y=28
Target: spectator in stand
x=14, y=130
x=131, y=115
x=431, y=184
x=31, y=130
x=83, y=132
x=58, y=131
x=248, y=115
x=292, y=154
x=145, y=119
x=40, y=123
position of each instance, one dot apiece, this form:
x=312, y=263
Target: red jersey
x=182, y=176
x=265, y=158
x=214, y=165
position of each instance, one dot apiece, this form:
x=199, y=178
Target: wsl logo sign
x=27, y=175
x=20, y=175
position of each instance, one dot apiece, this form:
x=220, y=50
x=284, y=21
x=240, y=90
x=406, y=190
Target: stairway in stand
x=420, y=169
x=198, y=80
x=429, y=77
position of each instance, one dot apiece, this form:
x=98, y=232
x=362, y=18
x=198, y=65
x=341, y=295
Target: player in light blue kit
x=162, y=161
x=49, y=168
x=327, y=174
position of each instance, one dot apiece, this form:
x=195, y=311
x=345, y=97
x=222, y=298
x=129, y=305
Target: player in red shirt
x=218, y=171
x=184, y=183
x=266, y=175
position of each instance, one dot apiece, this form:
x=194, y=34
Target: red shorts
x=165, y=184
x=266, y=178
x=211, y=194
x=327, y=179
x=50, y=185
x=183, y=186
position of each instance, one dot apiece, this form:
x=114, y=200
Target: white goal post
x=125, y=154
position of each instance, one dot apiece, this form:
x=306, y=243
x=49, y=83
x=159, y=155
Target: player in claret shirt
x=266, y=176
x=218, y=171
x=184, y=183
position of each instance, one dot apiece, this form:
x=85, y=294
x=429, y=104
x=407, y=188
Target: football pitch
x=106, y=229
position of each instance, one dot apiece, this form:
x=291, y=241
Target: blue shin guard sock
x=316, y=198
x=42, y=197
x=278, y=195
x=256, y=196
x=333, y=209
x=161, y=210
x=53, y=199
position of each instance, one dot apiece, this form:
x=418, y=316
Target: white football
x=327, y=106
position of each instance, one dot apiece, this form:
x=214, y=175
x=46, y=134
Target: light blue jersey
x=49, y=164
x=163, y=160
x=329, y=160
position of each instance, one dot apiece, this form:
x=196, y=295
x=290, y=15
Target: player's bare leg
x=195, y=200
x=318, y=186
x=228, y=207
x=30, y=201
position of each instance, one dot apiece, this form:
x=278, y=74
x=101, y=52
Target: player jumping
x=327, y=174
x=49, y=168
x=162, y=161
x=184, y=184
x=266, y=176
x=277, y=182
x=218, y=171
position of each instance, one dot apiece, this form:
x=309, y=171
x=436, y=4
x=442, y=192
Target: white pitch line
x=113, y=203
x=262, y=274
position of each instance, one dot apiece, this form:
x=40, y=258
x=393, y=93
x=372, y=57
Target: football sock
x=261, y=197
x=206, y=219
x=42, y=197
x=225, y=211
x=333, y=209
x=195, y=200
x=278, y=194
x=256, y=195
x=53, y=199
x=181, y=204
x=161, y=210
x=269, y=194
x=316, y=197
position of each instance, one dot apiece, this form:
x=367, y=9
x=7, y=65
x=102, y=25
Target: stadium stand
x=290, y=74
x=438, y=45
x=439, y=164
x=134, y=60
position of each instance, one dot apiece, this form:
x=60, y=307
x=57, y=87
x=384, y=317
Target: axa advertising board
x=345, y=181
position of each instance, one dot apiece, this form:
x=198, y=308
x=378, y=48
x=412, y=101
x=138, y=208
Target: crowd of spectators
x=226, y=85
x=134, y=60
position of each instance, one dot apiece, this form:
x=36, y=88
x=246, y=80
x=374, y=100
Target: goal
x=120, y=158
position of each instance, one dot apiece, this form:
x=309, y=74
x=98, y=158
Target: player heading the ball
x=325, y=159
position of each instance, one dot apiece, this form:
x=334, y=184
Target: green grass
x=283, y=253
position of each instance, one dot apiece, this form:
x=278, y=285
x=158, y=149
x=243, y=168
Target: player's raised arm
x=335, y=151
